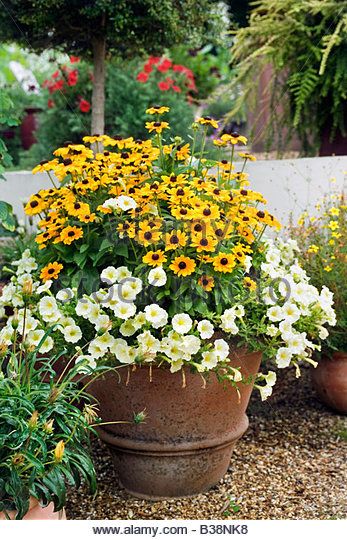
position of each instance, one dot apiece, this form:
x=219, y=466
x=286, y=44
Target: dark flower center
x=224, y=261
x=33, y=204
x=182, y=265
x=174, y=239
x=204, y=242
x=155, y=257
x=147, y=235
x=207, y=212
x=261, y=214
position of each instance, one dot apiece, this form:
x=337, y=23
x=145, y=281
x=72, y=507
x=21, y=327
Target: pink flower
x=176, y=88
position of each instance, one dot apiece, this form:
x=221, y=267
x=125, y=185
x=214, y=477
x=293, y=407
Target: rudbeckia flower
x=157, y=109
x=156, y=126
x=51, y=271
x=224, y=262
x=183, y=266
x=207, y=121
x=70, y=234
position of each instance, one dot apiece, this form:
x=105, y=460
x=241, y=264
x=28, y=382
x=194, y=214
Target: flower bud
x=33, y=420
x=59, y=451
x=48, y=426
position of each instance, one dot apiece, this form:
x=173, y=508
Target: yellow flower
x=174, y=240
x=51, y=271
x=333, y=225
x=246, y=155
x=206, y=282
x=234, y=138
x=154, y=258
x=328, y=268
x=70, y=234
x=334, y=211
x=155, y=109
x=224, y=262
x=249, y=283
x=59, y=451
x=183, y=266
x=207, y=121
x=156, y=126
x=313, y=249
x=34, y=206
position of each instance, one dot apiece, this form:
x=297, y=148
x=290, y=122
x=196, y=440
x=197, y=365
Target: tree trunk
x=98, y=98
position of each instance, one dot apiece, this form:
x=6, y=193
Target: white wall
x=290, y=185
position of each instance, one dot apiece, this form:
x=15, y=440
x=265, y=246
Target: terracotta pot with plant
x=181, y=288
x=43, y=435
x=323, y=243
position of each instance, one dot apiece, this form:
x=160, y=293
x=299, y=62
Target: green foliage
x=129, y=27
x=43, y=434
x=305, y=42
x=8, y=118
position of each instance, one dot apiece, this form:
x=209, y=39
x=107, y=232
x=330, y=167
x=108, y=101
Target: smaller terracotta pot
x=330, y=381
x=36, y=512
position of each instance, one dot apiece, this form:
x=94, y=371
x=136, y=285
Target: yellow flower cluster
x=180, y=213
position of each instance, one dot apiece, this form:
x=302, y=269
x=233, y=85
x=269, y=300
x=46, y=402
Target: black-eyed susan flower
x=203, y=243
x=247, y=155
x=249, y=283
x=183, y=266
x=206, y=282
x=51, y=271
x=157, y=109
x=234, y=138
x=174, y=240
x=224, y=262
x=207, y=121
x=35, y=205
x=70, y=234
x=158, y=127
x=154, y=258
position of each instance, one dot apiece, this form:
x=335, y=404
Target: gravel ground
x=291, y=464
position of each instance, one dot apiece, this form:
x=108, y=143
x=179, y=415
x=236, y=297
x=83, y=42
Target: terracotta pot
x=38, y=512
x=184, y=446
x=330, y=381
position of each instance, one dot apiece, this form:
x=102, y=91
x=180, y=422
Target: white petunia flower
x=102, y=322
x=283, y=357
x=96, y=349
x=83, y=308
x=45, y=287
x=124, y=310
x=122, y=272
x=206, y=329
x=290, y=312
x=148, y=343
x=128, y=328
x=125, y=202
x=221, y=348
x=176, y=365
x=48, y=309
x=182, y=323
x=275, y=314
x=157, y=277
x=122, y=351
x=34, y=338
x=112, y=204
x=191, y=344
x=156, y=315
x=65, y=295
x=272, y=330
x=209, y=359
x=109, y=275
x=72, y=333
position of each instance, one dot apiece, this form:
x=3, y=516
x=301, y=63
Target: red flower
x=176, y=88
x=72, y=78
x=56, y=74
x=84, y=105
x=142, y=77
x=163, y=86
x=59, y=85
x=50, y=103
x=147, y=68
x=154, y=60
x=178, y=68
x=74, y=59
x=165, y=65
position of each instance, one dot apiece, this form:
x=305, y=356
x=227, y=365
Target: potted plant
x=323, y=253
x=43, y=434
x=155, y=259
